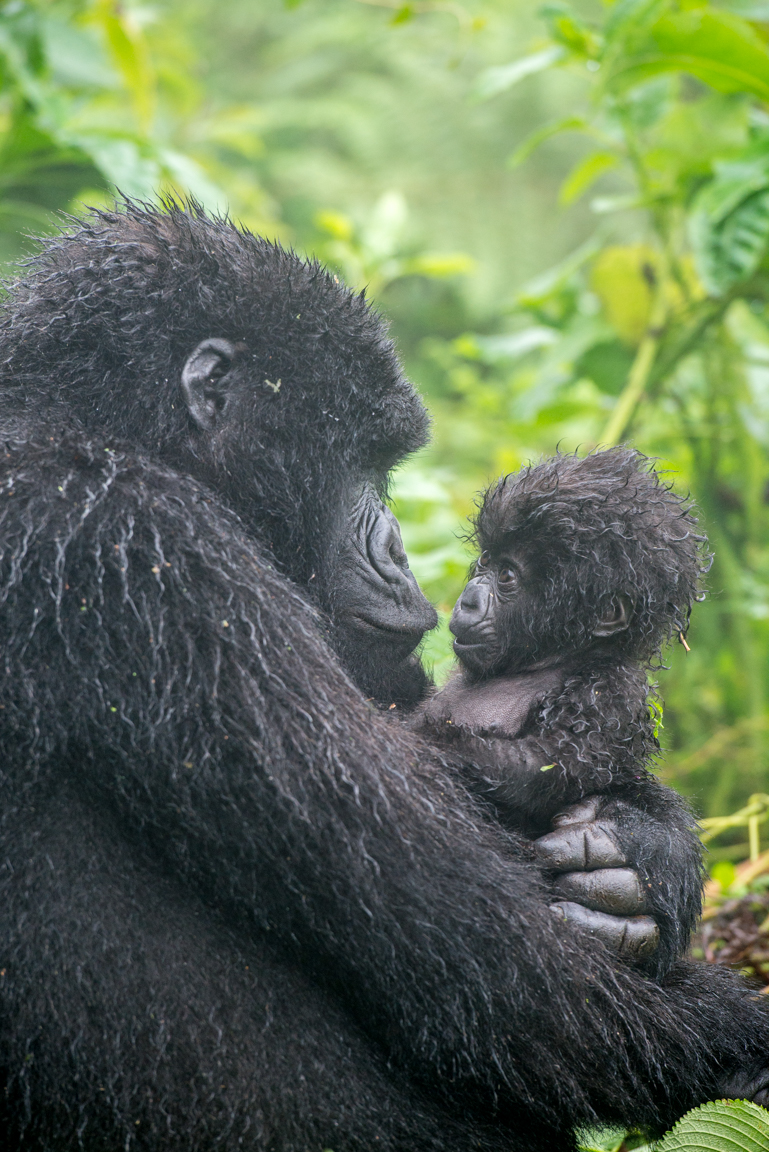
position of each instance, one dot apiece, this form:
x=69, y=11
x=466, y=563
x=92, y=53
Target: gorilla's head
x=235, y=361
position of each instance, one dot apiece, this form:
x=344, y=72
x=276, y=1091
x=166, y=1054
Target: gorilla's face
x=377, y=608
x=375, y=596
x=337, y=538
x=507, y=620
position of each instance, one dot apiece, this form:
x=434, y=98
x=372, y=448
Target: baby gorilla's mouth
x=477, y=651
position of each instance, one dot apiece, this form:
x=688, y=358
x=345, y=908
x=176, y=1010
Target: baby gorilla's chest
x=499, y=706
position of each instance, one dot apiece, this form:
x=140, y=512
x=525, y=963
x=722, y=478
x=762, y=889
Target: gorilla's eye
x=507, y=576
x=483, y=560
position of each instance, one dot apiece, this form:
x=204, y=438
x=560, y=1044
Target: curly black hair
x=596, y=526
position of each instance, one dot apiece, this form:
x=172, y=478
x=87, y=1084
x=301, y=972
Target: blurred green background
x=563, y=212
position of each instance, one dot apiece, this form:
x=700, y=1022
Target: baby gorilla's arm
x=598, y=885
x=519, y=776
x=615, y=856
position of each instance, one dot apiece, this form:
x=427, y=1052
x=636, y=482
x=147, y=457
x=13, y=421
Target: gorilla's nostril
x=474, y=601
x=469, y=600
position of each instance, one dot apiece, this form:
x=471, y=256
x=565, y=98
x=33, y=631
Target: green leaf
x=725, y=873
x=720, y=49
x=537, y=291
x=584, y=174
x=438, y=266
x=129, y=53
x=729, y=223
x=123, y=162
x=722, y=1126
x=554, y=128
x=492, y=81
x=629, y=18
x=600, y=1139
x=403, y=15
x=567, y=28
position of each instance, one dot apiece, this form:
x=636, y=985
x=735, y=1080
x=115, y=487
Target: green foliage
x=423, y=150
x=656, y=329
x=89, y=101
x=723, y=1126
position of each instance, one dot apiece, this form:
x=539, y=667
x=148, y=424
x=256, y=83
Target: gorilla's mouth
x=382, y=627
x=477, y=654
x=460, y=647
x=470, y=639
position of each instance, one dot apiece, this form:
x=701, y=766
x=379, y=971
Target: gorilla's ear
x=204, y=381
x=616, y=618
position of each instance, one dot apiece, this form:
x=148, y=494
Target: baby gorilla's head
x=576, y=554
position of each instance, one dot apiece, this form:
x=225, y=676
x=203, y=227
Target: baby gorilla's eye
x=483, y=560
x=507, y=576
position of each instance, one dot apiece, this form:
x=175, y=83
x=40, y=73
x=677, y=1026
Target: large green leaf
x=729, y=222
x=722, y=1126
x=718, y=48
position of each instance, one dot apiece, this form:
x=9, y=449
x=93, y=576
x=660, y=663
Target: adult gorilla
x=240, y=907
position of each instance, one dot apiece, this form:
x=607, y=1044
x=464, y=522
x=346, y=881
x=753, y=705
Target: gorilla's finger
x=614, y=890
x=583, y=812
x=634, y=937
x=580, y=847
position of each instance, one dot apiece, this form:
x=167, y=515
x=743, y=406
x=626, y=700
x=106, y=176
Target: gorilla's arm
x=629, y=855
x=153, y=654
x=631, y=849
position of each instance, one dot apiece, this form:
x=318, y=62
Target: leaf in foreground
x=721, y=1126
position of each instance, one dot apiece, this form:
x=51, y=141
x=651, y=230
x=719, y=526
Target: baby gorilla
x=587, y=568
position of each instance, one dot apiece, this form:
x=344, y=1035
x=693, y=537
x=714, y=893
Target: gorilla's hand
x=599, y=893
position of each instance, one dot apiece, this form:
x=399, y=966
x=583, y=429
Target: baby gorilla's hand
x=599, y=893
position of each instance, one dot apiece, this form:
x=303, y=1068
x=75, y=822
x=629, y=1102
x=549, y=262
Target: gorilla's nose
x=472, y=607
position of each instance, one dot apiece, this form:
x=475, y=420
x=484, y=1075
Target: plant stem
x=638, y=376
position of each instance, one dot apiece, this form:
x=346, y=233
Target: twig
x=717, y=744
x=639, y=374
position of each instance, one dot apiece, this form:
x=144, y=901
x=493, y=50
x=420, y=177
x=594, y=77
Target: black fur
x=239, y=908
x=582, y=532
x=597, y=526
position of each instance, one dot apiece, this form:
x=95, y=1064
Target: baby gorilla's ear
x=616, y=618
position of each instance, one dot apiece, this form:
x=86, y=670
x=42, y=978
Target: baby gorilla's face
x=511, y=617
x=497, y=619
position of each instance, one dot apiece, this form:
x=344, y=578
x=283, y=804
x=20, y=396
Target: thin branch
x=639, y=374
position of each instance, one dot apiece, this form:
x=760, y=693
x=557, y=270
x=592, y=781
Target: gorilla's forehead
x=109, y=312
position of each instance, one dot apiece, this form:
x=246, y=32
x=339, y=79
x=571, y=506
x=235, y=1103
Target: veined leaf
x=599, y=1139
x=723, y=1126
x=720, y=49
x=492, y=81
x=729, y=223
x=584, y=174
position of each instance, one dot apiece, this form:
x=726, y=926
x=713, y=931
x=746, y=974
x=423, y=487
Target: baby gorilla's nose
x=473, y=607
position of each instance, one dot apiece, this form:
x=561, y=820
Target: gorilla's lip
x=469, y=645
x=460, y=647
x=367, y=624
